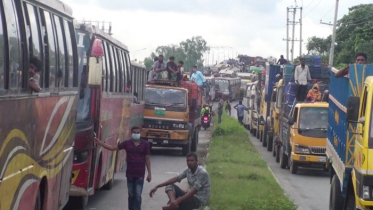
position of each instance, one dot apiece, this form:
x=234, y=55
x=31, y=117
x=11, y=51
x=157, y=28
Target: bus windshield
x=223, y=84
x=165, y=97
x=83, y=42
x=313, y=118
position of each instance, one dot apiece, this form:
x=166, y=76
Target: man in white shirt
x=302, y=76
x=159, y=67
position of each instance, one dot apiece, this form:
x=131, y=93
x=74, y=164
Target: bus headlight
x=300, y=149
x=80, y=157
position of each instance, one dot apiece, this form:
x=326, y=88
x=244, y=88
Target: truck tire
x=269, y=142
x=335, y=196
x=186, y=148
x=274, y=147
x=257, y=133
x=283, y=158
x=264, y=136
x=194, y=141
x=277, y=154
x=293, y=166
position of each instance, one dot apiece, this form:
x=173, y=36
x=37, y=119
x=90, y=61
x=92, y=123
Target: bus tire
x=194, y=141
x=283, y=158
x=110, y=184
x=335, y=196
x=264, y=136
x=78, y=202
x=293, y=166
x=38, y=205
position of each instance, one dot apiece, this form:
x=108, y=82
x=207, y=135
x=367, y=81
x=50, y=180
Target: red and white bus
x=105, y=111
x=37, y=130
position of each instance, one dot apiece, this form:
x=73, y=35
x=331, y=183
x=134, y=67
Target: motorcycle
x=205, y=122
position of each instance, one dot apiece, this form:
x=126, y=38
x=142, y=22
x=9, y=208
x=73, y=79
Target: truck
x=349, y=145
x=266, y=101
x=297, y=130
x=172, y=115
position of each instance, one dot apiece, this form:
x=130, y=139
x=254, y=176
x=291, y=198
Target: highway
x=309, y=188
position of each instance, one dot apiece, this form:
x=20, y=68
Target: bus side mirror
x=291, y=122
x=353, y=106
x=95, y=63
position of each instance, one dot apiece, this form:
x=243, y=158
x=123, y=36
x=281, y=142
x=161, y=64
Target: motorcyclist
x=205, y=111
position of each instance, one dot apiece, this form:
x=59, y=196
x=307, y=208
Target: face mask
x=135, y=136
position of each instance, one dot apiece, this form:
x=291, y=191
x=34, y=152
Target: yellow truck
x=172, y=115
x=350, y=139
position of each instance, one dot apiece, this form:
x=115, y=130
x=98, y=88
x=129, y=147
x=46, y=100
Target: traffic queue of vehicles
x=47, y=149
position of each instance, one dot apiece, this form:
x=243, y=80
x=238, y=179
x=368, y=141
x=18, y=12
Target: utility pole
x=300, y=39
x=287, y=34
x=293, y=23
x=292, y=41
x=331, y=56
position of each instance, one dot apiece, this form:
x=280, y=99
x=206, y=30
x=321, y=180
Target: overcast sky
x=251, y=27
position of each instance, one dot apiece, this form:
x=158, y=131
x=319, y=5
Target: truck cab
x=172, y=115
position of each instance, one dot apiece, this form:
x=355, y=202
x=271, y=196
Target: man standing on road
x=137, y=152
x=302, y=76
x=240, y=111
x=360, y=58
x=199, y=187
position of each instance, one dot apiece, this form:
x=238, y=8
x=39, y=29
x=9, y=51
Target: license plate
x=322, y=159
x=165, y=142
x=205, y=121
x=159, y=112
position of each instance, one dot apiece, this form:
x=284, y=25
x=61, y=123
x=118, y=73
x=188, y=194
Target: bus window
x=120, y=62
x=115, y=69
x=129, y=77
x=104, y=69
x=2, y=57
x=125, y=67
x=108, y=75
x=112, y=69
x=14, y=70
x=51, y=52
x=60, y=73
x=69, y=53
x=34, y=37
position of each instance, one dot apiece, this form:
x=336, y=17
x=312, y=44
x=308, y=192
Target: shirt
x=282, y=61
x=302, y=75
x=199, y=181
x=158, y=67
x=198, y=78
x=150, y=75
x=136, y=157
x=240, y=110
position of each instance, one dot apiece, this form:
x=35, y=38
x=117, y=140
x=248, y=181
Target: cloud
x=245, y=26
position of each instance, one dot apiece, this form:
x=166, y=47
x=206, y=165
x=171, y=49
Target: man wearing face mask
x=137, y=153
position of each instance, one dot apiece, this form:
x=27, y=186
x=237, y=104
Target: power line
x=327, y=12
x=309, y=4
x=312, y=8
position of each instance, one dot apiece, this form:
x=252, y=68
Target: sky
x=230, y=27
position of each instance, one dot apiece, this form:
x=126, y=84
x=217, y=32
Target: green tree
x=318, y=46
x=189, y=51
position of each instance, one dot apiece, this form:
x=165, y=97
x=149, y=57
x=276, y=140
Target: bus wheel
x=78, y=202
x=283, y=158
x=110, y=184
x=335, y=197
x=293, y=166
x=38, y=205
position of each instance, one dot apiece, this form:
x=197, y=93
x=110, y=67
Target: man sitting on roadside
x=199, y=187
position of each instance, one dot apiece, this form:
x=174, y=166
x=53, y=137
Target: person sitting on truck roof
x=282, y=60
x=314, y=94
x=360, y=58
x=302, y=76
x=198, y=77
x=159, y=66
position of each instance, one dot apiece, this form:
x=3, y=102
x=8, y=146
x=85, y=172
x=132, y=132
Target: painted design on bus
x=18, y=157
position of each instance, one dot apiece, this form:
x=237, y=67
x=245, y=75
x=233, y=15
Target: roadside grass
x=240, y=178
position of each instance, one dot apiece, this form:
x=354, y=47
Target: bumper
x=167, y=143
x=160, y=134
x=77, y=191
x=309, y=159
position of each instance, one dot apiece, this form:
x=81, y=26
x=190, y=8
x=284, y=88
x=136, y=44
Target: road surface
x=309, y=189
x=165, y=163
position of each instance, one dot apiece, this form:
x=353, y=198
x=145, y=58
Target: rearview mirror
x=353, y=106
x=95, y=71
x=291, y=122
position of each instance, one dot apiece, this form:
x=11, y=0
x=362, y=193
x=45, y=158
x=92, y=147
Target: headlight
x=366, y=194
x=80, y=157
x=181, y=126
x=301, y=149
x=176, y=125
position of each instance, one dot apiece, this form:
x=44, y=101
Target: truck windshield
x=223, y=84
x=165, y=97
x=313, y=118
x=84, y=103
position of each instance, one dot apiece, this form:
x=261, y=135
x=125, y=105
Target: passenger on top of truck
x=314, y=94
x=302, y=76
x=360, y=58
x=159, y=66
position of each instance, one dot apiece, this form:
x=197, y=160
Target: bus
x=228, y=88
x=105, y=111
x=37, y=128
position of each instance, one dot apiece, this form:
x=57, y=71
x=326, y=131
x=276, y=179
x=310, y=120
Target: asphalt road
x=309, y=188
x=165, y=163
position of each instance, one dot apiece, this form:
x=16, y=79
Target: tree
x=318, y=46
x=189, y=51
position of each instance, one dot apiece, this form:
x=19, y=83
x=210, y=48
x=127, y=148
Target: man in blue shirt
x=240, y=111
x=197, y=77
